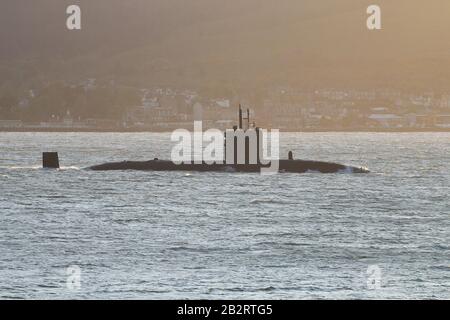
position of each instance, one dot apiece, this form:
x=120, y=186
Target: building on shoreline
x=284, y=108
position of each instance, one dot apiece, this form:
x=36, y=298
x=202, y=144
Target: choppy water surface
x=225, y=235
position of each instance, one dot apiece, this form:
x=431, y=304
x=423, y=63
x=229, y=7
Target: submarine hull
x=294, y=166
x=289, y=165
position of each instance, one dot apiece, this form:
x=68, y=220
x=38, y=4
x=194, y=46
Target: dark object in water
x=50, y=160
x=290, y=165
x=296, y=166
x=290, y=155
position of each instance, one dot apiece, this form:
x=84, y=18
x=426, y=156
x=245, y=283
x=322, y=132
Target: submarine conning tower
x=251, y=136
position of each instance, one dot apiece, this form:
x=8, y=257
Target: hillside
x=229, y=44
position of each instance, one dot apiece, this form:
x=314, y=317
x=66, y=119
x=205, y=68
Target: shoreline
x=111, y=130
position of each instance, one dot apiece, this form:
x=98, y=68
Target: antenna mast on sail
x=240, y=116
x=248, y=119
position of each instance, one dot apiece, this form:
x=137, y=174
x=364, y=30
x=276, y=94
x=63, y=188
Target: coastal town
x=159, y=109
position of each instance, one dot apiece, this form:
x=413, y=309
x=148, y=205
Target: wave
x=70, y=168
x=267, y=201
x=21, y=167
x=37, y=168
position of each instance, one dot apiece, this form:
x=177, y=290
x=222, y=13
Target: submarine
x=284, y=165
x=294, y=166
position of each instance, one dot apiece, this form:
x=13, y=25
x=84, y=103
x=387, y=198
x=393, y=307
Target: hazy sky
x=245, y=41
